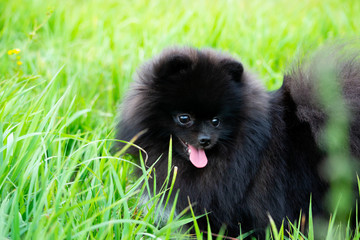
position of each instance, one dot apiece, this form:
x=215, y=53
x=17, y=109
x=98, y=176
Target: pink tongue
x=197, y=157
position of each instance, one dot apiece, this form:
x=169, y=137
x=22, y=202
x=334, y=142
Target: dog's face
x=195, y=136
x=198, y=102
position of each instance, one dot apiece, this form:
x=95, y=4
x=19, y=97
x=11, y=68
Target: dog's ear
x=234, y=68
x=173, y=65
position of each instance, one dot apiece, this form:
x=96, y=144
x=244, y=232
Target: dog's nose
x=204, y=140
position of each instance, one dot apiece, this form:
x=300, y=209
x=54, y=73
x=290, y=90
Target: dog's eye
x=185, y=120
x=215, y=122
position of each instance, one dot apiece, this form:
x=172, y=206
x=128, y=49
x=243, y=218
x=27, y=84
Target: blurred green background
x=102, y=42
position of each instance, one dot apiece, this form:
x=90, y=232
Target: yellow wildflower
x=19, y=63
x=16, y=50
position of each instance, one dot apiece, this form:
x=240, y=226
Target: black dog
x=242, y=153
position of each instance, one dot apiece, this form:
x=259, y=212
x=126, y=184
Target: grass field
x=64, y=67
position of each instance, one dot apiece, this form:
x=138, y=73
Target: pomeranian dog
x=242, y=153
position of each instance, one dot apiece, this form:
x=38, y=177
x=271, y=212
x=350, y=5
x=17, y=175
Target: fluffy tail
x=325, y=87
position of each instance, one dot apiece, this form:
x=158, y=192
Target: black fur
x=265, y=155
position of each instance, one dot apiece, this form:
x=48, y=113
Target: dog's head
x=202, y=98
x=198, y=100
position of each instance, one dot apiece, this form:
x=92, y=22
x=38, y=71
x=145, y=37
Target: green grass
x=58, y=108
